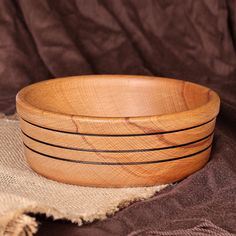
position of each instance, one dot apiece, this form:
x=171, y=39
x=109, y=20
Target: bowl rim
x=214, y=101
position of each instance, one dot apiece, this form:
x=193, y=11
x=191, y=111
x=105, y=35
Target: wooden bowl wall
x=117, y=131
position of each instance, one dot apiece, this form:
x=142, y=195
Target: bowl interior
x=119, y=96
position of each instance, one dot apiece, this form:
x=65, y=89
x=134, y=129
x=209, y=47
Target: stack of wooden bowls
x=117, y=131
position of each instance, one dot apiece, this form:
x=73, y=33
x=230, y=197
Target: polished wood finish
x=117, y=130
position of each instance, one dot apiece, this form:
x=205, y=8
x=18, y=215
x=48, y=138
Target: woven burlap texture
x=23, y=191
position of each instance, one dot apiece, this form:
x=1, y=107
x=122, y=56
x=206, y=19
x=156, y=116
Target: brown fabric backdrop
x=188, y=39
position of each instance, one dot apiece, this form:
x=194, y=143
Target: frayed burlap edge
x=9, y=117
x=17, y=223
x=20, y=223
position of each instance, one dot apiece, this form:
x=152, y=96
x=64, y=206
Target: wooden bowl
x=117, y=130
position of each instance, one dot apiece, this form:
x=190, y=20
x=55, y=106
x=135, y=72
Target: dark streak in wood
x=120, y=135
x=118, y=163
x=119, y=151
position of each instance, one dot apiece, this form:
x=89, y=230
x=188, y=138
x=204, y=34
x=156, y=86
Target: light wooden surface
x=116, y=131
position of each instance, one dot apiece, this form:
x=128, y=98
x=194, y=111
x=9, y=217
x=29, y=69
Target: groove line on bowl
x=118, y=163
x=118, y=135
x=118, y=151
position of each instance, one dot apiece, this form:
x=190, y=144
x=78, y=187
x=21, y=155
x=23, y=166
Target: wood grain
x=116, y=131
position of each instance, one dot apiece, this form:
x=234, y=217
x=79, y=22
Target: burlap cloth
x=22, y=191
